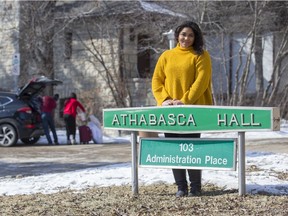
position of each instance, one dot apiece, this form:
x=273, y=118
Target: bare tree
x=113, y=40
x=36, y=39
x=252, y=21
x=109, y=70
x=224, y=23
x=279, y=68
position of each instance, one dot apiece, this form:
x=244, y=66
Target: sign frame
x=202, y=146
x=16, y=64
x=193, y=118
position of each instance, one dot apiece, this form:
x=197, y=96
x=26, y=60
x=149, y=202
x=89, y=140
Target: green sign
x=184, y=153
x=186, y=118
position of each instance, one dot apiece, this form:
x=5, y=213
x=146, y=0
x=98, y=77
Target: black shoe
x=194, y=193
x=181, y=193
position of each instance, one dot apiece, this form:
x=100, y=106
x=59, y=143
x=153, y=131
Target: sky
x=263, y=180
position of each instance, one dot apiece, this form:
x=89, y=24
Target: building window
x=68, y=45
x=143, y=57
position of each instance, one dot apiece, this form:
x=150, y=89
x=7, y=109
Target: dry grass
x=152, y=200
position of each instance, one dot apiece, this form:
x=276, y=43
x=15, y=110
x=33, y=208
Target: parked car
x=20, y=115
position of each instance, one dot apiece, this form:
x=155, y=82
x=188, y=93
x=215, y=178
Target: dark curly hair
x=198, y=44
x=73, y=95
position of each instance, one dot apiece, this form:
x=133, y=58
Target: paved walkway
x=279, y=145
x=39, y=159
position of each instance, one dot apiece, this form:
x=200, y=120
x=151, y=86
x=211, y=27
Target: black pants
x=180, y=174
x=70, y=124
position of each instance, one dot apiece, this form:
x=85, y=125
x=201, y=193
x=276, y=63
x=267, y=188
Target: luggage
x=85, y=134
x=97, y=135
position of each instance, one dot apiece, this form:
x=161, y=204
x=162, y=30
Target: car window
x=4, y=100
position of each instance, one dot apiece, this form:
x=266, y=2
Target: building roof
x=74, y=9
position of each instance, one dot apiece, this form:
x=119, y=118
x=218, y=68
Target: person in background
x=182, y=76
x=70, y=112
x=47, y=108
x=56, y=97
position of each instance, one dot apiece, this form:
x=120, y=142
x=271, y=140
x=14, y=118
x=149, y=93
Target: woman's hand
x=167, y=102
x=177, y=102
x=172, y=102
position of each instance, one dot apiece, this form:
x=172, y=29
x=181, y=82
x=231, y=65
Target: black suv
x=20, y=113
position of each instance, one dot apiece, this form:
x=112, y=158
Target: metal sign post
x=241, y=163
x=134, y=169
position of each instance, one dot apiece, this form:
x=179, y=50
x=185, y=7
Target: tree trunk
x=259, y=71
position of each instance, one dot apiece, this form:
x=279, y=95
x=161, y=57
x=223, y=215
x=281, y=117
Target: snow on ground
x=264, y=178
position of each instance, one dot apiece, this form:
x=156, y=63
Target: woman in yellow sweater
x=183, y=76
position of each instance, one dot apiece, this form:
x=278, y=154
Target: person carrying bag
x=71, y=106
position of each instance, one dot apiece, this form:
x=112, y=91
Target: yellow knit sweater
x=182, y=74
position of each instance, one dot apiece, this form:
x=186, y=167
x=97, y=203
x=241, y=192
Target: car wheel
x=8, y=135
x=30, y=140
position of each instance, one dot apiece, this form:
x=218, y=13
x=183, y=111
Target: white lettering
x=152, y=119
x=191, y=120
x=142, y=120
x=115, y=120
x=133, y=121
x=161, y=120
x=179, y=119
x=171, y=118
x=148, y=159
x=215, y=161
x=243, y=121
x=234, y=120
x=170, y=159
x=224, y=121
x=252, y=120
x=124, y=116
